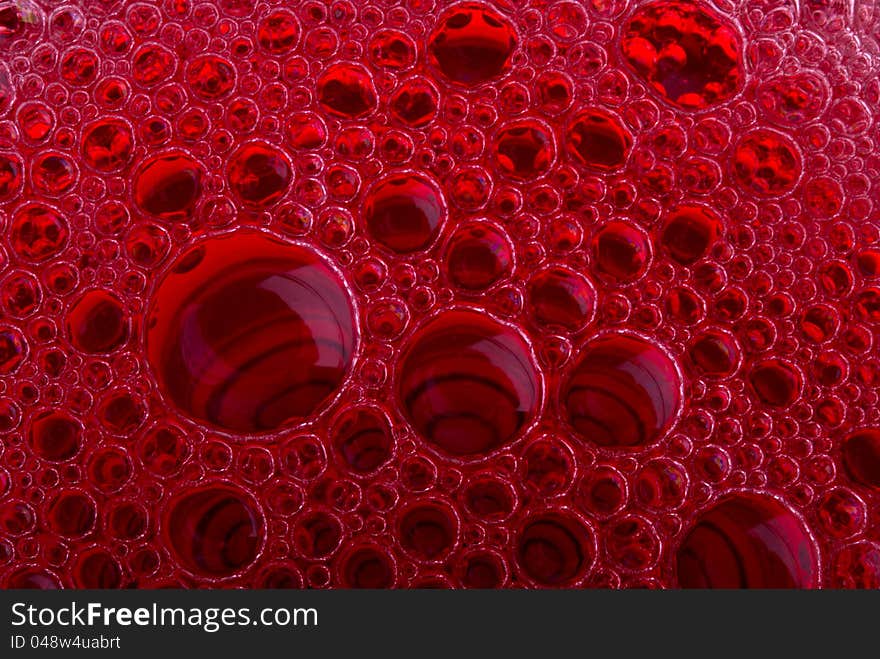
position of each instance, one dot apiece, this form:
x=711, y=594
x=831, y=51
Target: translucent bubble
x=621, y=392
x=98, y=323
x=559, y=299
x=404, y=212
x=597, y=139
x=525, y=150
x=666, y=42
x=210, y=77
x=621, y=252
x=363, y=438
x=347, y=91
x=54, y=435
x=318, y=534
x=367, y=566
x=288, y=290
x=633, y=543
x=747, y=540
x=445, y=386
x=478, y=255
x=428, y=530
x=555, y=548
x=471, y=44
x=259, y=174
x=168, y=186
x=215, y=530
x=71, y=513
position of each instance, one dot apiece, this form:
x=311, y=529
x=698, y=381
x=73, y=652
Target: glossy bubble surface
x=468, y=384
x=225, y=368
x=439, y=293
x=686, y=52
x=404, y=212
x=621, y=392
x=747, y=541
x=168, y=186
x=471, y=44
x=215, y=530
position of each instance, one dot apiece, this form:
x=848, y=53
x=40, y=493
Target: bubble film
x=439, y=294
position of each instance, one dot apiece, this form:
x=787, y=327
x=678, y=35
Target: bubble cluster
x=413, y=293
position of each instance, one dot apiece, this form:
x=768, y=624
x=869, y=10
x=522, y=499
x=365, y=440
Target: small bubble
x=215, y=530
x=597, y=139
x=471, y=44
x=404, y=212
x=555, y=548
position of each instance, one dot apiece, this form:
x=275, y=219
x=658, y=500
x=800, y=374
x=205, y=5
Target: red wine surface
x=421, y=293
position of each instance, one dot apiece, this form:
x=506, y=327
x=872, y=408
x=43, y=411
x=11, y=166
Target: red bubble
x=229, y=312
x=478, y=255
x=11, y=175
x=13, y=350
x=168, y=186
x=621, y=392
x=259, y=174
x=714, y=354
x=392, y=49
x=858, y=566
x=415, y=102
x=792, y=99
x=766, y=163
x=79, y=66
x=471, y=44
x=597, y=139
x=367, y=566
x=482, y=569
x=54, y=435
x=747, y=540
x=363, y=438
x=278, y=32
x=525, y=150
x=97, y=568
x=428, y=530
x=53, y=173
x=559, y=299
x=776, y=382
x=404, y=212
x=33, y=578
x=689, y=232
x=687, y=53
x=71, y=513
x=38, y=232
x=621, y=252
x=108, y=144
x=97, y=322
x=210, y=77
x=489, y=498
x=468, y=384
x=215, y=530
x=347, y=91
x=152, y=64
x=861, y=456
x=555, y=548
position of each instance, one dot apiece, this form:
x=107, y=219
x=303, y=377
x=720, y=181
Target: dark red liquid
x=473, y=294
